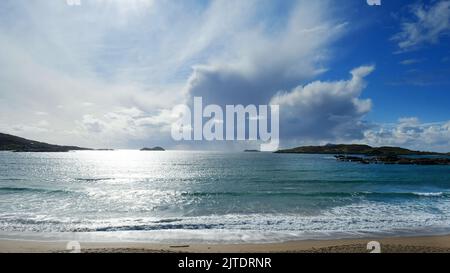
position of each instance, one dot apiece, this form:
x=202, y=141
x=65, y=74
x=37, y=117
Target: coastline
x=422, y=244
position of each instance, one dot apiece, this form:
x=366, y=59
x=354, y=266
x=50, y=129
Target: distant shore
x=425, y=244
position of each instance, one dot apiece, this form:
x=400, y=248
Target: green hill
x=18, y=144
x=356, y=149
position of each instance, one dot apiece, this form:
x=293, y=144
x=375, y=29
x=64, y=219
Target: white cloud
x=260, y=62
x=82, y=64
x=92, y=124
x=123, y=127
x=107, y=73
x=430, y=23
x=411, y=133
x=325, y=110
x=87, y=104
x=55, y=67
x=411, y=61
x=41, y=113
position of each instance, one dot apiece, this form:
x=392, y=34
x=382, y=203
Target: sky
x=107, y=73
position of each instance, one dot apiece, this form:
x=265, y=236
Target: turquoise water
x=216, y=197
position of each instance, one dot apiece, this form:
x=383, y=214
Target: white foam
x=356, y=220
x=429, y=193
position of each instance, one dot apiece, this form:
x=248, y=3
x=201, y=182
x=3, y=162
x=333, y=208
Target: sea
x=215, y=197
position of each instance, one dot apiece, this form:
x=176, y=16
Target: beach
x=426, y=244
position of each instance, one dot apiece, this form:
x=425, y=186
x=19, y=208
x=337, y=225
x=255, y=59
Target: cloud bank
x=410, y=132
x=261, y=62
x=107, y=73
x=326, y=110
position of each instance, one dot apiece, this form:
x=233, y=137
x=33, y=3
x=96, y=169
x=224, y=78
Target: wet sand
x=429, y=244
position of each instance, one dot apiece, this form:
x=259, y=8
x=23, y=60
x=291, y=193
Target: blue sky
x=410, y=83
x=108, y=72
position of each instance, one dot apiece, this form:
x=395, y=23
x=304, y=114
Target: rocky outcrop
x=157, y=148
x=395, y=160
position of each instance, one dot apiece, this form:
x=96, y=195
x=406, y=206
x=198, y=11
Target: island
x=355, y=149
x=18, y=144
x=157, y=148
x=374, y=155
x=252, y=151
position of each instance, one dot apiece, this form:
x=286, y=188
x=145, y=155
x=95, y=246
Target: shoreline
x=422, y=244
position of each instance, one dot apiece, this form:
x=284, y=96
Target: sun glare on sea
x=122, y=159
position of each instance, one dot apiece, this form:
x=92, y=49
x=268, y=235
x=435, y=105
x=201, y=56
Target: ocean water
x=177, y=196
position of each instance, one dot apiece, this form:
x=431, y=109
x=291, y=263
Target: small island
x=157, y=148
x=252, y=151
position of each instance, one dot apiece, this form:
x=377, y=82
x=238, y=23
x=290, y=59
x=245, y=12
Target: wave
x=184, y=226
x=431, y=194
x=322, y=194
x=406, y=194
x=94, y=179
x=265, y=193
x=322, y=181
x=27, y=189
x=369, y=217
x=12, y=179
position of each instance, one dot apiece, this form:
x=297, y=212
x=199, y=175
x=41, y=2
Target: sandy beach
x=429, y=244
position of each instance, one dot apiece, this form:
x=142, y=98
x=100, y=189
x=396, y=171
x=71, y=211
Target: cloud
x=83, y=65
x=92, y=124
x=411, y=61
x=430, y=23
x=411, y=133
x=325, y=110
x=259, y=62
x=120, y=127
x=107, y=73
x=57, y=66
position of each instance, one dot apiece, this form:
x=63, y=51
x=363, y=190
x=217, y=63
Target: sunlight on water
x=256, y=196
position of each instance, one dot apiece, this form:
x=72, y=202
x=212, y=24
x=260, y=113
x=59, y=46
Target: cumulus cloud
x=430, y=23
x=92, y=124
x=107, y=73
x=411, y=133
x=81, y=64
x=325, y=110
x=124, y=126
x=262, y=62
